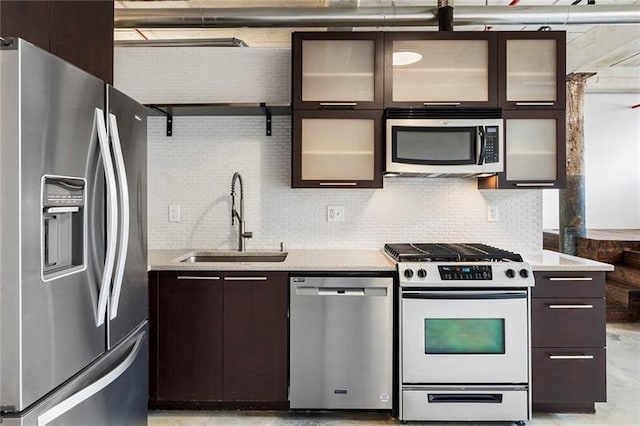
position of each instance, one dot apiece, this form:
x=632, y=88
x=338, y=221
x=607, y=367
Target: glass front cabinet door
x=337, y=70
x=440, y=69
x=532, y=69
x=337, y=151
x=535, y=151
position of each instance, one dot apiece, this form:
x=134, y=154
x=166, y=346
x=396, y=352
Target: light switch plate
x=492, y=214
x=335, y=213
x=174, y=213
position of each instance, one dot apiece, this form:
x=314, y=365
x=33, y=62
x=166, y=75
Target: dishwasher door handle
x=341, y=291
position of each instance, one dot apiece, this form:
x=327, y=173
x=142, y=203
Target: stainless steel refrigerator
x=73, y=276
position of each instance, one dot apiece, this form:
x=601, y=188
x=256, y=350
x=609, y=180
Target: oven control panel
x=465, y=274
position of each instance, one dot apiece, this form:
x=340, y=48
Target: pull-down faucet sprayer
x=234, y=213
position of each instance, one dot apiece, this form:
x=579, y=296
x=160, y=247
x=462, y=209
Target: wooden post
x=572, y=198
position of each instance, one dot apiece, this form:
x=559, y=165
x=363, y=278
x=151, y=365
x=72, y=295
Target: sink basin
x=231, y=256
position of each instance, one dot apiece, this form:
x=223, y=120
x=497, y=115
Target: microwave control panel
x=491, y=144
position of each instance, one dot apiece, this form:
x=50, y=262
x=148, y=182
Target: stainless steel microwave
x=445, y=142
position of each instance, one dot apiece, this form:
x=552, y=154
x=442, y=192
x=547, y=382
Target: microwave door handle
x=482, y=145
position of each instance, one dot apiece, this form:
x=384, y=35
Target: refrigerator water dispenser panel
x=63, y=230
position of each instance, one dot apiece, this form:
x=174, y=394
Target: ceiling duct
x=445, y=15
x=271, y=17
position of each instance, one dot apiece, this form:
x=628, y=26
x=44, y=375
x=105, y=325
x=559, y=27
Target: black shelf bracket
x=169, y=119
x=267, y=113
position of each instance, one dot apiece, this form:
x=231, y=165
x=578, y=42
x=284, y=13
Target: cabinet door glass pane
x=337, y=149
x=531, y=70
x=448, y=71
x=338, y=70
x=531, y=149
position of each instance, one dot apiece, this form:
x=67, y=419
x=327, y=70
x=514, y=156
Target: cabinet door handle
x=535, y=103
x=570, y=279
x=191, y=277
x=441, y=103
x=338, y=104
x=245, y=278
x=339, y=183
x=524, y=185
x=570, y=306
x=570, y=356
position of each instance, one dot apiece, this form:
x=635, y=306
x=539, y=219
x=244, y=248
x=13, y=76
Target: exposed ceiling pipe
x=268, y=17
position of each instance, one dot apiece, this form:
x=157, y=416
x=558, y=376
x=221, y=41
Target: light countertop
x=350, y=260
x=297, y=260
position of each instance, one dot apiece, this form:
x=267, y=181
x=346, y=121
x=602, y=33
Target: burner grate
x=457, y=252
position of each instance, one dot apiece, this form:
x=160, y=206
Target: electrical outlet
x=335, y=213
x=492, y=213
x=174, y=213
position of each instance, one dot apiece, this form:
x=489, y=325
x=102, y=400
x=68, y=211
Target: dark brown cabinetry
x=80, y=32
x=337, y=110
x=568, y=339
x=440, y=68
x=219, y=339
x=532, y=94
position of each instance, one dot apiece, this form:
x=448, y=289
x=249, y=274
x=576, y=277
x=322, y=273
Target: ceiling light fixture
x=405, y=58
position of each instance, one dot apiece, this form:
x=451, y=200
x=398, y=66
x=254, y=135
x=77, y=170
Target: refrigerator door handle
x=77, y=398
x=124, y=217
x=112, y=214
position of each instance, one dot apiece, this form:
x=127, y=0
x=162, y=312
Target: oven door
x=465, y=337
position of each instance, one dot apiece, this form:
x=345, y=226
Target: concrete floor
x=622, y=407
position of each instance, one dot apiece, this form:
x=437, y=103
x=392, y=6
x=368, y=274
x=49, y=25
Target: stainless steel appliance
x=441, y=142
x=464, y=332
x=341, y=342
x=73, y=286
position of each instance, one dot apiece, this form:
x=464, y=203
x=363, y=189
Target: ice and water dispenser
x=63, y=225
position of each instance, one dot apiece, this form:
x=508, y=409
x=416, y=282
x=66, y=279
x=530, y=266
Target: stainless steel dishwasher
x=341, y=342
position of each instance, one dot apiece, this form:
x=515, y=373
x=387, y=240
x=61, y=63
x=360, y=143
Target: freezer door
x=127, y=121
x=51, y=223
x=112, y=392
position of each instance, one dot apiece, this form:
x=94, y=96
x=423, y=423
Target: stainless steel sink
x=233, y=256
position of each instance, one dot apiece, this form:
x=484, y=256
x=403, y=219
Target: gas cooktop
x=443, y=252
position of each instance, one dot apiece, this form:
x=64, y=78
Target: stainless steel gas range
x=464, y=352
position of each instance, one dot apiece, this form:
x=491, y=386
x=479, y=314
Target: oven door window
x=464, y=336
x=434, y=145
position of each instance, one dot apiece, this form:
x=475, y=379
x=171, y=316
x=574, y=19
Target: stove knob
x=524, y=273
x=408, y=273
x=422, y=273
x=510, y=273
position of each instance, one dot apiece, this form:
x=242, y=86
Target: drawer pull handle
x=190, y=277
x=570, y=356
x=535, y=184
x=570, y=279
x=570, y=306
x=535, y=103
x=339, y=183
x=245, y=278
x=338, y=104
x=441, y=103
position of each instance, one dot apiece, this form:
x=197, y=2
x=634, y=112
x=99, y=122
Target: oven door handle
x=458, y=295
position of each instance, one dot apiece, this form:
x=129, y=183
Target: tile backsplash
x=193, y=169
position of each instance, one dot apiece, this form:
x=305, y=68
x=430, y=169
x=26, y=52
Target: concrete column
x=572, y=198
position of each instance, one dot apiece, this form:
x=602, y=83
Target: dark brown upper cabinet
x=532, y=69
x=440, y=69
x=337, y=149
x=535, y=151
x=337, y=70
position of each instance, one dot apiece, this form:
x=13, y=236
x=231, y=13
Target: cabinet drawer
x=568, y=375
x=568, y=322
x=569, y=284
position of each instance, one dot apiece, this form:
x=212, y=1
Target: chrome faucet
x=234, y=213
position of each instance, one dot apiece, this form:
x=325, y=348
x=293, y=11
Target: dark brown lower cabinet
x=219, y=340
x=568, y=359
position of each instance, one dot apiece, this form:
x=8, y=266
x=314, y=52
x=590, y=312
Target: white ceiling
x=613, y=51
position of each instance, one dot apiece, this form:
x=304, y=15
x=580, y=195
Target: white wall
x=612, y=164
x=193, y=169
